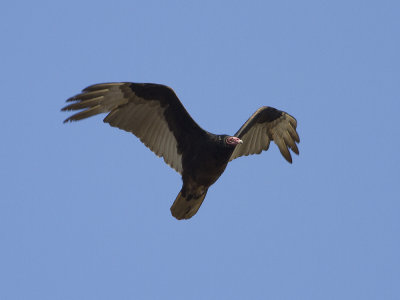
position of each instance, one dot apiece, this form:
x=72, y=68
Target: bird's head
x=232, y=141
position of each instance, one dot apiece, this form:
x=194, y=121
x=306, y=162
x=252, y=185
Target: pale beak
x=240, y=141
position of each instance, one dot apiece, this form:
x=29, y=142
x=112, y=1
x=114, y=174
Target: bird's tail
x=185, y=208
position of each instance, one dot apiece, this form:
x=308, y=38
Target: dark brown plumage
x=155, y=115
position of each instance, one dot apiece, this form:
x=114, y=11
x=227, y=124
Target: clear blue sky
x=84, y=209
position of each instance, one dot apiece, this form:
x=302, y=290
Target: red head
x=233, y=140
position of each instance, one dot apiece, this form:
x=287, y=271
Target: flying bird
x=154, y=114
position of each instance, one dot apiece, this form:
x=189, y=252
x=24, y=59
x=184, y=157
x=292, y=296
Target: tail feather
x=185, y=209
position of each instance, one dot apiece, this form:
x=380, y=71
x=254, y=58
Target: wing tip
x=287, y=156
x=70, y=120
x=66, y=108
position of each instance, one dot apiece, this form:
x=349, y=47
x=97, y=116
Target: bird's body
x=206, y=163
x=154, y=114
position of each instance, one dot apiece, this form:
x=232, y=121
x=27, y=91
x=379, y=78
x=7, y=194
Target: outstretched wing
x=150, y=111
x=267, y=124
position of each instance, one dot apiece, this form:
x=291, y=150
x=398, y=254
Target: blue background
x=84, y=209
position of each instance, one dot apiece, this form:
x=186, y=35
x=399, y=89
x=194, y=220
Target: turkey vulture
x=154, y=114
